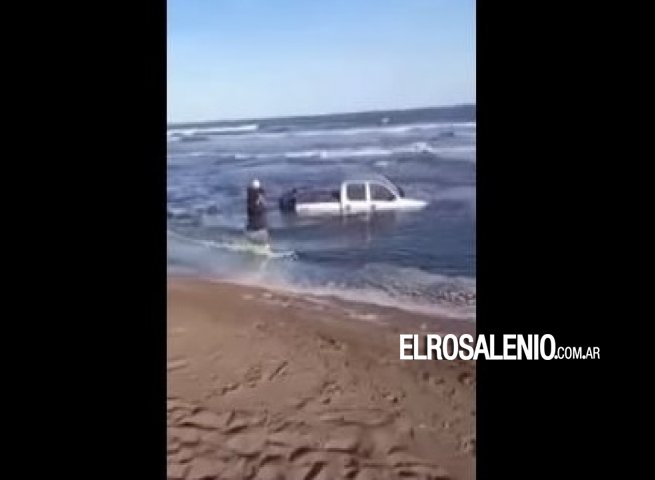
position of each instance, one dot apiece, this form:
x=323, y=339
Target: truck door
x=381, y=197
x=354, y=198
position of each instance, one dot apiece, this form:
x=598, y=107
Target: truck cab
x=354, y=196
x=358, y=196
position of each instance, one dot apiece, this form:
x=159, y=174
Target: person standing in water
x=256, y=230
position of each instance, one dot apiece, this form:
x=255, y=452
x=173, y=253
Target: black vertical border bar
x=543, y=103
x=141, y=170
x=112, y=153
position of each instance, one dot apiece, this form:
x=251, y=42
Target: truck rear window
x=356, y=191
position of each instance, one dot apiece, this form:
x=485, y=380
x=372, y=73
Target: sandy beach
x=271, y=385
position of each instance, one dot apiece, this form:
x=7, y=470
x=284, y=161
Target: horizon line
x=292, y=116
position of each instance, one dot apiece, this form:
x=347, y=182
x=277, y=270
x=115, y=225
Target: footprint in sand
x=329, y=343
x=177, y=364
x=467, y=444
x=177, y=330
x=230, y=387
x=466, y=378
x=277, y=369
x=252, y=376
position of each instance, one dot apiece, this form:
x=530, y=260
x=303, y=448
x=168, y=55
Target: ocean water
x=421, y=261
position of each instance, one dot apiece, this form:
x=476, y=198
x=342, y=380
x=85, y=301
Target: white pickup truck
x=354, y=196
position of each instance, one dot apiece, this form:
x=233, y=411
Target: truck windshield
x=381, y=193
x=401, y=192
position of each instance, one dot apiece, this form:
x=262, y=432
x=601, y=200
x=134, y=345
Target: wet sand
x=270, y=385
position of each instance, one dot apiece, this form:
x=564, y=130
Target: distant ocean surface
x=420, y=261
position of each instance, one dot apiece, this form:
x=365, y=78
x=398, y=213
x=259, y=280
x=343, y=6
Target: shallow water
x=418, y=260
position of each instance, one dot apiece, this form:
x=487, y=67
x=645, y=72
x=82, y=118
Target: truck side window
x=356, y=191
x=381, y=193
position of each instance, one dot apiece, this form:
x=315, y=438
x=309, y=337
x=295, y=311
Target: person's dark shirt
x=256, y=209
x=255, y=201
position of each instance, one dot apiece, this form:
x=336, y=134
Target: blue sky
x=230, y=59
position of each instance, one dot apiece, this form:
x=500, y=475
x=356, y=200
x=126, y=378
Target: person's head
x=255, y=184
